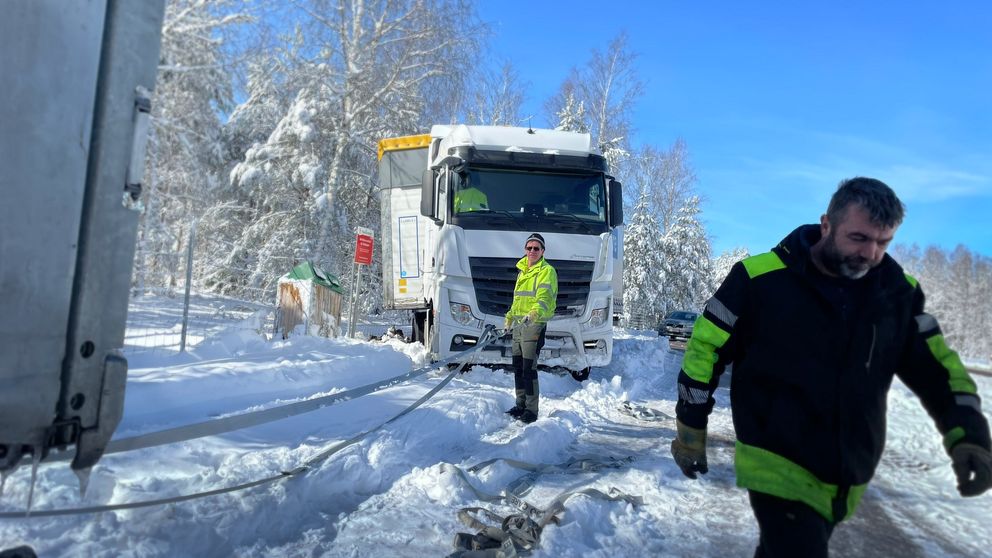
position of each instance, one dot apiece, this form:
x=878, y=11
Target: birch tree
x=667, y=177
x=608, y=87
x=498, y=97
x=192, y=87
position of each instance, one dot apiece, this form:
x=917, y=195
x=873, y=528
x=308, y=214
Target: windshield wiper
x=494, y=213
x=501, y=216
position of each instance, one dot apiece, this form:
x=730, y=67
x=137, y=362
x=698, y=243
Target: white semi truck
x=457, y=205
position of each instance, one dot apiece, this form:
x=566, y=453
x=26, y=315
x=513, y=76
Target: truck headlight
x=461, y=313
x=598, y=317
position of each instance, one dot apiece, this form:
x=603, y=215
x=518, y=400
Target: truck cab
x=457, y=205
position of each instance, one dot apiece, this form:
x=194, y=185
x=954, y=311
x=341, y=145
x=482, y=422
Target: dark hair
x=537, y=237
x=875, y=196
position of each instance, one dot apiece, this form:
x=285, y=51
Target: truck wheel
x=580, y=375
x=418, y=323
x=432, y=338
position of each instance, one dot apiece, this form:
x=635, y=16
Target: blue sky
x=779, y=101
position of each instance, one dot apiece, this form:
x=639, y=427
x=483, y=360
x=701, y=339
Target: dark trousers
x=789, y=528
x=527, y=343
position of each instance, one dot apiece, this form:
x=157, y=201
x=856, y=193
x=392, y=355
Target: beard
x=838, y=263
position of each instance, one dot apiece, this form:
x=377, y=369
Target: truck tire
x=432, y=337
x=418, y=327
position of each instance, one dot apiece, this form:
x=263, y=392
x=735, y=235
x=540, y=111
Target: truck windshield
x=532, y=200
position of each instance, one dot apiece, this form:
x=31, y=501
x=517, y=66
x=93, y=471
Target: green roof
x=306, y=271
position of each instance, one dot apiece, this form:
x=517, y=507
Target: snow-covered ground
x=397, y=491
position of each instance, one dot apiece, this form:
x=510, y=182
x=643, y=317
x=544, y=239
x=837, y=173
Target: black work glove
x=973, y=467
x=689, y=450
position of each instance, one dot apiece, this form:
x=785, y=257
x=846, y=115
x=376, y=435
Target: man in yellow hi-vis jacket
x=533, y=305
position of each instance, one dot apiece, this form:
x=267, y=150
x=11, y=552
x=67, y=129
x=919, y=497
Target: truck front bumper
x=565, y=345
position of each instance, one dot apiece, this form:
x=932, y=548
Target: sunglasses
x=533, y=248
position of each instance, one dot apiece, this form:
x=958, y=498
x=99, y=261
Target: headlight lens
x=598, y=317
x=461, y=313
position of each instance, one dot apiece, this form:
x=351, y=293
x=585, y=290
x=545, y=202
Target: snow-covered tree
x=608, y=88
x=960, y=299
x=192, y=88
x=686, y=257
x=979, y=326
x=644, y=271
x=933, y=275
x=360, y=70
x=661, y=184
x=722, y=264
x=571, y=116
x=497, y=97
x=958, y=288
x=281, y=187
x=667, y=177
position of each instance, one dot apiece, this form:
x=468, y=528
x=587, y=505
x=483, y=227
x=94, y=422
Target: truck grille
x=494, y=278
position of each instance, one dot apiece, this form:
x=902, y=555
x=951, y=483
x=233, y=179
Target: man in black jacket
x=816, y=329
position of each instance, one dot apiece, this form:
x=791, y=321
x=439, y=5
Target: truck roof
x=508, y=138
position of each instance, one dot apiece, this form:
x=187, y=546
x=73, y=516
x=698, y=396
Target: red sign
x=363, y=249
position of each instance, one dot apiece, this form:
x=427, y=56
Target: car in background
x=677, y=327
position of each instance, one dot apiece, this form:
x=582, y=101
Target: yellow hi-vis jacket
x=536, y=288
x=470, y=199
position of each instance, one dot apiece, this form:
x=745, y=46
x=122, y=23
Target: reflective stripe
x=717, y=308
x=764, y=471
x=545, y=286
x=692, y=395
x=525, y=293
x=542, y=304
x=968, y=400
x=926, y=322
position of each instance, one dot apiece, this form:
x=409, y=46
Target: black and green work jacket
x=813, y=358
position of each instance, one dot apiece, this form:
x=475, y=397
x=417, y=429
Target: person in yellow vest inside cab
x=469, y=198
x=534, y=299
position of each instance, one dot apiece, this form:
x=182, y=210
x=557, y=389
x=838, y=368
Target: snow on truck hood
x=507, y=138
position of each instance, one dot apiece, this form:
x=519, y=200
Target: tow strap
x=240, y=421
x=644, y=413
x=518, y=534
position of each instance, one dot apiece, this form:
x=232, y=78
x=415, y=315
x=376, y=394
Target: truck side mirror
x=427, y=198
x=616, y=203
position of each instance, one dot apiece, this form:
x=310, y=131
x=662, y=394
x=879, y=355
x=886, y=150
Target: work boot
x=515, y=411
x=527, y=417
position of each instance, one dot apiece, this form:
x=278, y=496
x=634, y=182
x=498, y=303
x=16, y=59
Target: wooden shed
x=312, y=297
